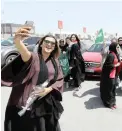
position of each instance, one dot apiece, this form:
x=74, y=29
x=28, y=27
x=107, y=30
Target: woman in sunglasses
x=63, y=46
x=26, y=72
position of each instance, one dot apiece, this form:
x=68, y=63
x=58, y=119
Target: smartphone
x=29, y=23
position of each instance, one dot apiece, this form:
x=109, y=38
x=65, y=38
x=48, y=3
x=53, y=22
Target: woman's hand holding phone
x=21, y=34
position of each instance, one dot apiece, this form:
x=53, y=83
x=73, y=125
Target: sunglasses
x=47, y=42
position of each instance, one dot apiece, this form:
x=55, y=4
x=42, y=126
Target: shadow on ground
x=94, y=92
x=119, y=92
x=71, y=87
x=90, y=78
x=94, y=103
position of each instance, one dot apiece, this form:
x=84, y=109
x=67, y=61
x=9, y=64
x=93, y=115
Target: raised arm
x=19, y=36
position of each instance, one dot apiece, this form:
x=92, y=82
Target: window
x=6, y=29
x=10, y=39
x=7, y=43
x=32, y=40
x=96, y=48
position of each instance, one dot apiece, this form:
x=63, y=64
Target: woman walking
x=108, y=77
x=76, y=62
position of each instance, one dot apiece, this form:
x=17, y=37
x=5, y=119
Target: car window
x=6, y=43
x=96, y=48
x=31, y=40
x=10, y=38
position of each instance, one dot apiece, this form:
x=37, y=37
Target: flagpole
x=104, y=43
x=103, y=56
x=60, y=33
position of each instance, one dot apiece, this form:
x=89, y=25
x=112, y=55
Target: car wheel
x=10, y=58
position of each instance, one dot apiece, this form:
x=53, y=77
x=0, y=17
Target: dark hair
x=113, y=40
x=113, y=46
x=68, y=38
x=119, y=39
x=78, y=40
x=55, y=53
x=61, y=40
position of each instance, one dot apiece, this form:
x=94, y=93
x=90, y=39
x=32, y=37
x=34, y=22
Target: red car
x=93, y=59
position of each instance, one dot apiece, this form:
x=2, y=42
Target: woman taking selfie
x=26, y=72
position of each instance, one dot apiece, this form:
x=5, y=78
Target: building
x=62, y=34
x=9, y=29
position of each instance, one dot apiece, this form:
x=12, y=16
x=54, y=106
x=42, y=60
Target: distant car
x=10, y=52
x=93, y=59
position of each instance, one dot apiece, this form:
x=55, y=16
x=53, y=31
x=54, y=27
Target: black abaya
x=107, y=84
x=78, y=66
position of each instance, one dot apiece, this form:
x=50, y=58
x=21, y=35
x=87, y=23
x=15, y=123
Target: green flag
x=100, y=37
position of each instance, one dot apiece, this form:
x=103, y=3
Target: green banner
x=63, y=59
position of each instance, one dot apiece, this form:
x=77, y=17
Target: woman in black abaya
x=108, y=77
x=76, y=62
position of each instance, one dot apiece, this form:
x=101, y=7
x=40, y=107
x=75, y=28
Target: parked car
x=10, y=52
x=93, y=59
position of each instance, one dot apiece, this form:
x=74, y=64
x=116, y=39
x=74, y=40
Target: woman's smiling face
x=48, y=45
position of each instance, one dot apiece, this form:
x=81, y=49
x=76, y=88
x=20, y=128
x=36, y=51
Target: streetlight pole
x=4, y=24
x=61, y=14
x=2, y=29
x=62, y=25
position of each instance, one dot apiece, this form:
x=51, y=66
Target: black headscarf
x=112, y=47
x=120, y=39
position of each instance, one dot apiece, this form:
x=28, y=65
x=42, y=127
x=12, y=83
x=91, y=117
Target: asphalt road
x=85, y=113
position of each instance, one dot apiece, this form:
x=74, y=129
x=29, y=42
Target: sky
x=74, y=14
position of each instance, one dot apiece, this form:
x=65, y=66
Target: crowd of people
x=72, y=48
x=29, y=70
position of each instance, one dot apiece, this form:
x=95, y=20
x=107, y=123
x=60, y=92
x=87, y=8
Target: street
x=85, y=113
